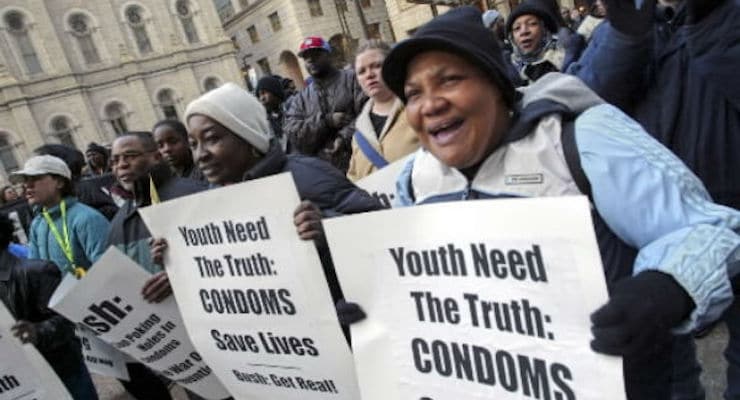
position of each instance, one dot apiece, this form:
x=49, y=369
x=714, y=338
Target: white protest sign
x=24, y=373
x=100, y=357
x=381, y=184
x=252, y=294
x=109, y=302
x=485, y=299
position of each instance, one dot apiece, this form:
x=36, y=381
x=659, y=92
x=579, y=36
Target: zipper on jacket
x=466, y=192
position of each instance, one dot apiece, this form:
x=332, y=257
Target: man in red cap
x=318, y=121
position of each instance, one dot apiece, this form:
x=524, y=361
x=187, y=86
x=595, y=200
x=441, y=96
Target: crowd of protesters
x=636, y=107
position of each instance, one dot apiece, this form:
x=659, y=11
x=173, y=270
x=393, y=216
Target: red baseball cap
x=313, y=42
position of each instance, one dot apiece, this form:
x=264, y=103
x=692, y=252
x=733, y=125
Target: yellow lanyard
x=153, y=194
x=64, y=243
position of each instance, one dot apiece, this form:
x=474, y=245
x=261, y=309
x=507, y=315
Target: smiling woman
x=229, y=137
x=481, y=139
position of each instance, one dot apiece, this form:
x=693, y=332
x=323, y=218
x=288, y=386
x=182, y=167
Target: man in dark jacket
x=25, y=289
x=318, y=120
x=674, y=70
x=135, y=161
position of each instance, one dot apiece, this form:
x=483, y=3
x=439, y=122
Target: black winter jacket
x=93, y=191
x=308, y=112
x=325, y=186
x=25, y=288
x=128, y=231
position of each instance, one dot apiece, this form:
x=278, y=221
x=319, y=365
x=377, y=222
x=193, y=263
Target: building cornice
x=80, y=82
x=236, y=18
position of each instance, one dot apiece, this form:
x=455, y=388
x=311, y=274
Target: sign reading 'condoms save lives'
x=252, y=293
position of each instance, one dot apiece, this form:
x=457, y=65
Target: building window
x=61, y=129
x=16, y=23
x=7, y=157
x=116, y=116
x=365, y=3
x=254, y=36
x=211, y=83
x=264, y=66
x=275, y=22
x=225, y=9
x=186, y=20
x=342, y=5
x=134, y=16
x=81, y=30
x=166, y=101
x=314, y=7
x=373, y=31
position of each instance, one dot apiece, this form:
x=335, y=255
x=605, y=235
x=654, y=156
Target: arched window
x=80, y=25
x=62, y=130
x=7, y=157
x=116, y=116
x=211, y=83
x=16, y=23
x=166, y=101
x=185, y=13
x=135, y=19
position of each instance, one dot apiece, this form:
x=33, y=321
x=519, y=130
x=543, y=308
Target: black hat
x=272, y=85
x=532, y=8
x=458, y=31
x=553, y=10
x=96, y=148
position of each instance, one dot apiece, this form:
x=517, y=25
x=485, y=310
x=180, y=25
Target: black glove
x=625, y=18
x=696, y=10
x=349, y=313
x=639, y=315
x=536, y=71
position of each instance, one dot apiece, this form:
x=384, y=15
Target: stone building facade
x=407, y=16
x=74, y=71
x=269, y=32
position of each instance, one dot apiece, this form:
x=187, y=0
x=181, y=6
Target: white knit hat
x=236, y=109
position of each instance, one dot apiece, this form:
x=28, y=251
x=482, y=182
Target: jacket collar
x=56, y=211
x=365, y=126
x=161, y=175
x=7, y=263
x=270, y=164
x=331, y=76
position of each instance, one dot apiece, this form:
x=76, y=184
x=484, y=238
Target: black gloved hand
x=536, y=71
x=639, y=315
x=625, y=18
x=349, y=313
x=696, y=10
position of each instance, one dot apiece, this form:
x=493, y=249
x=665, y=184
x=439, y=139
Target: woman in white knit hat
x=229, y=135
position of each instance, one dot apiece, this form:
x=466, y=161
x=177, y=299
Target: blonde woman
x=382, y=134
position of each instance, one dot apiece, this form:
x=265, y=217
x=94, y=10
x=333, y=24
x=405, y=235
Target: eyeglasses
x=128, y=156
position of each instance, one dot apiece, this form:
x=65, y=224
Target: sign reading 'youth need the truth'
x=253, y=295
x=484, y=299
